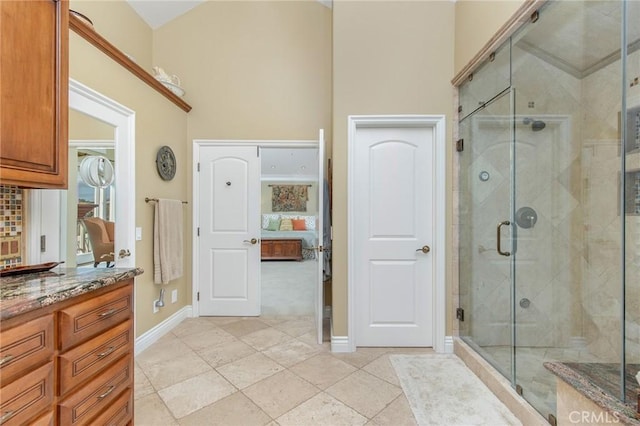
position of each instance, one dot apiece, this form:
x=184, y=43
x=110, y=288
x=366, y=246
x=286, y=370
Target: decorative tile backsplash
x=11, y=226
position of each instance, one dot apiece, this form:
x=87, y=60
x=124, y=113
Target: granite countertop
x=593, y=381
x=23, y=293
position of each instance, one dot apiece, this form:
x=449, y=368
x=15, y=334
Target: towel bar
x=147, y=200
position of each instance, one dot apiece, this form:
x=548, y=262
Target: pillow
x=274, y=224
x=286, y=225
x=298, y=224
x=309, y=222
x=266, y=217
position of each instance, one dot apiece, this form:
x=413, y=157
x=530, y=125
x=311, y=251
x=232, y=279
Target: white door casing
x=396, y=205
x=229, y=231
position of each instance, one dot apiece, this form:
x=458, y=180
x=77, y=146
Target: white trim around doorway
x=437, y=123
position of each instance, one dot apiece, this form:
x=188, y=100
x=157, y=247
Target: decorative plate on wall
x=166, y=163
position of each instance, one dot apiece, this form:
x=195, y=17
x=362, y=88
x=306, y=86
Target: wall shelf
x=90, y=35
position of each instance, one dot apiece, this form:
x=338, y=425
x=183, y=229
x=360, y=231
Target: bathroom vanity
x=66, y=347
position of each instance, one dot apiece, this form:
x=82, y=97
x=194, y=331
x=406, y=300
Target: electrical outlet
x=155, y=308
x=174, y=295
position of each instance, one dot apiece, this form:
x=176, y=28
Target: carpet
x=442, y=391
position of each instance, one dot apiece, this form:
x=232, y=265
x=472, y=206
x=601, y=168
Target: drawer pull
x=107, y=352
x=104, y=395
x=5, y=359
x=6, y=416
x=107, y=313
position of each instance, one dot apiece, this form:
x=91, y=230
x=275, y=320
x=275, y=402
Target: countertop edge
x=20, y=306
x=590, y=390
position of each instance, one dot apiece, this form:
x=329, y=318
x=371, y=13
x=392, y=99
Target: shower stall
x=549, y=200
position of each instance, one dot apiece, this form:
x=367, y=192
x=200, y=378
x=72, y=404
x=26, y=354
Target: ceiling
x=156, y=13
x=289, y=164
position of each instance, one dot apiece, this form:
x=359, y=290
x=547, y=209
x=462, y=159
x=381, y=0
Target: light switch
x=138, y=233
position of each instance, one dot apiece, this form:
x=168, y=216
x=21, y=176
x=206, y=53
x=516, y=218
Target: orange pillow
x=298, y=224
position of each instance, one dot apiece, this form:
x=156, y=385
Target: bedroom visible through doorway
x=289, y=239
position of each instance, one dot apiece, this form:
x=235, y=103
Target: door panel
x=229, y=249
x=319, y=293
x=394, y=211
x=485, y=275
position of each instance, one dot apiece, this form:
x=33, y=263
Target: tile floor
x=264, y=371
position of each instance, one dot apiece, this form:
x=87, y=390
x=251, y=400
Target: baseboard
x=339, y=344
x=448, y=344
x=151, y=336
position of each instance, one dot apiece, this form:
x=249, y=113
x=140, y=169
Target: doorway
x=288, y=261
x=396, y=223
x=229, y=224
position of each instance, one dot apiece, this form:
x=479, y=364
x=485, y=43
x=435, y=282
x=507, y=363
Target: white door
x=319, y=293
x=393, y=219
x=229, y=227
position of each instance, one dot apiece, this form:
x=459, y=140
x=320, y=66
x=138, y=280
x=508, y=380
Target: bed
x=307, y=239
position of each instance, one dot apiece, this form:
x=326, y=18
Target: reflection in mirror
x=89, y=240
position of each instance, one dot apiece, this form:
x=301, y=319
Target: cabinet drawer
x=24, y=347
x=84, y=320
x=46, y=420
x=90, y=400
x=82, y=362
x=26, y=397
x=118, y=413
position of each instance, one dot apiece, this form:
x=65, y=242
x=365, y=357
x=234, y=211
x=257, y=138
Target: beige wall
x=389, y=58
x=252, y=70
x=475, y=23
x=158, y=122
x=116, y=21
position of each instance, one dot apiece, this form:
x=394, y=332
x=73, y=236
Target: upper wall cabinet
x=34, y=39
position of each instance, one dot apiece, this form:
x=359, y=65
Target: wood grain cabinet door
x=34, y=38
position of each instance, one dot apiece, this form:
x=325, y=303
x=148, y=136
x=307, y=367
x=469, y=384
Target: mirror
x=88, y=138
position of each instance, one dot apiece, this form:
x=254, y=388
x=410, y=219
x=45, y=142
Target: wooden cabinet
x=281, y=249
x=34, y=39
x=70, y=363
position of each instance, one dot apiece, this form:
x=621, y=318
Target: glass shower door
x=486, y=186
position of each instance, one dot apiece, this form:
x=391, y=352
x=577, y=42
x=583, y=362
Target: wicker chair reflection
x=101, y=238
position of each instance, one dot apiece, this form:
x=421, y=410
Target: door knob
x=124, y=253
x=424, y=249
x=252, y=241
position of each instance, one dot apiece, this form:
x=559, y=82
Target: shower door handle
x=504, y=222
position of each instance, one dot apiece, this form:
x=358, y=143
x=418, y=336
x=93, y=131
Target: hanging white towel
x=167, y=241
